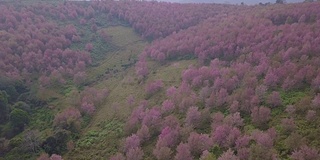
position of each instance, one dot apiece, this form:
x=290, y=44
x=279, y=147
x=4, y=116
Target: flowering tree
x=260, y=115
x=305, y=153
x=199, y=143
x=274, y=99
x=228, y=155
x=88, y=108
x=89, y=47
x=118, y=156
x=183, y=152
x=225, y=136
x=288, y=125
x=193, y=117
x=131, y=142
x=234, y=120
x=153, y=87
x=163, y=153
x=68, y=119
x=142, y=69
x=316, y=101
x=152, y=118
x=167, y=106
x=311, y=115
x=169, y=137
x=135, y=153
x=143, y=133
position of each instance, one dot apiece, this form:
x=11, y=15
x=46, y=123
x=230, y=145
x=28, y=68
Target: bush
x=3, y=107
x=23, y=106
x=19, y=118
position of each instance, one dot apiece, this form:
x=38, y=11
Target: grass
x=291, y=97
x=100, y=143
x=95, y=141
x=61, y=96
x=41, y=119
x=288, y=98
x=119, y=79
x=306, y=129
x=113, y=127
x=100, y=138
x=130, y=45
x=113, y=68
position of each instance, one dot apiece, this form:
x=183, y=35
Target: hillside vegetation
x=133, y=80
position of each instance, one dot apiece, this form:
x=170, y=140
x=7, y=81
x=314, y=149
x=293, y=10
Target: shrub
x=19, y=118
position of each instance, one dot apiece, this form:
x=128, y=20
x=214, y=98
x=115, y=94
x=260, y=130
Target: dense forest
x=133, y=80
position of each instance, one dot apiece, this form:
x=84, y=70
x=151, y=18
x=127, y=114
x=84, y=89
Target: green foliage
x=286, y=144
x=4, y=97
x=12, y=92
x=4, y=110
x=19, y=118
x=12, y=88
x=277, y=111
x=21, y=105
x=67, y=90
x=310, y=131
x=41, y=119
x=216, y=150
x=109, y=128
x=52, y=99
x=85, y=120
x=6, y=130
x=100, y=49
x=210, y=156
x=56, y=144
x=15, y=142
x=89, y=139
x=88, y=36
x=16, y=153
x=260, y=152
x=16, y=150
x=291, y=97
x=249, y=128
x=186, y=56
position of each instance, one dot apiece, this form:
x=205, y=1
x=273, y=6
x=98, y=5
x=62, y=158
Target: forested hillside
x=155, y=80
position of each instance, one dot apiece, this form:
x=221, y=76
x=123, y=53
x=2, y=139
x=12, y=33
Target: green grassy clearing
x=121, y=84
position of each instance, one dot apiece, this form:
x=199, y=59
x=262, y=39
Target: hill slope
x=108, y=80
